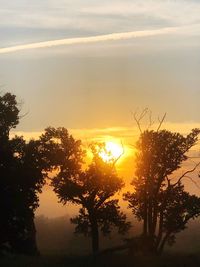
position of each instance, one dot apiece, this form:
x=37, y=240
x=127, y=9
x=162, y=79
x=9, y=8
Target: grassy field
x=118, y=260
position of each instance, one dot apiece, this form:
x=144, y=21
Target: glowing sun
x=112, y=151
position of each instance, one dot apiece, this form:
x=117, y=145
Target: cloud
x=51, y=13
x=179, y=11
x=91, y=39
x=23, y=22
x=100, y=134
x=128, y=136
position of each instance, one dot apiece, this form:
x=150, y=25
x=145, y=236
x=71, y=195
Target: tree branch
x=185, y=174
x=195, y=183
x=139, y=118
x=150, y=120
x=161, y=121
x=123, y=151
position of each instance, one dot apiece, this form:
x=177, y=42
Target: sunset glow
x=112, y=151
x=100, y=133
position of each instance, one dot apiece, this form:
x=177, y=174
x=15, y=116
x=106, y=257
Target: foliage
x=22, y=178
x=161, y=204
x=159, y=199
x=93, y=188
x=9, y=114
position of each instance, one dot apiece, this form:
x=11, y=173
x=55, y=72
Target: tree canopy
x=22, y=175
x=93, y=187
x=158, y=198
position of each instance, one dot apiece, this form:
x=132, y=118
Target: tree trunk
x=145, y=224
x=31, y=240
x=160, y=230
x=151, y=233
x=95, y=239
x=94, y=232
x=160, y=249
x=150, y=216
x=155, y=216
x=26, y=243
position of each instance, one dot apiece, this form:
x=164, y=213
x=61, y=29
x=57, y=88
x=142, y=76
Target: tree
x=25, y=182
x=23, y=168
x=9, y=114
x=92, y=188
x=9, y=117
x=158, y=198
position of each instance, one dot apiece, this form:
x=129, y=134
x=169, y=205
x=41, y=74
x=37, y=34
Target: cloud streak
x=87, y=40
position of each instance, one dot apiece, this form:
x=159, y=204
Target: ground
x=118, y=260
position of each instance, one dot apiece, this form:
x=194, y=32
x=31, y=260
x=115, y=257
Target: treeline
x=158, y=198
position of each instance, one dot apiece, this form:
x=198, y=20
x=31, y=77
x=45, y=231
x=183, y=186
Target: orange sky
x=125, y=165
x=90, y=63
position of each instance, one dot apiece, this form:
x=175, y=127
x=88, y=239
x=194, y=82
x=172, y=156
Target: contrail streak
x=86, y=40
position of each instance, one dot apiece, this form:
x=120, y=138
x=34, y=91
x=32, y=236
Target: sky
x=96, y=85
x=87, y=65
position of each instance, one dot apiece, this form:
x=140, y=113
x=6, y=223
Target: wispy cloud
x=178, y=12
x=54, y=14
x=100, y=134
x=91, y=39
x=22, y=21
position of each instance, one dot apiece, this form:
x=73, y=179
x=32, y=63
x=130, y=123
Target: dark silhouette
x=9, y=117
x=159, y=199
x=93, y=188
x=22, y=170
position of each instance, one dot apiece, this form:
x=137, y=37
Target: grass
x=113, y=260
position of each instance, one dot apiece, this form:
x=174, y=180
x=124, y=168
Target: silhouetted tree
x=27, y=180
x=22, y=173
x=9, y=114
x=9, y=117
x=159, y=199
x=91, y=187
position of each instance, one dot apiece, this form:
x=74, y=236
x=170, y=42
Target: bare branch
x=139, y=118
x=123, y=151
x=150, y=120
x=23, y=115
x=195, y=183
x=161, y=121
x=185, y=173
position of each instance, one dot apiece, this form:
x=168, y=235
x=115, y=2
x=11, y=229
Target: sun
x=112, y=151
